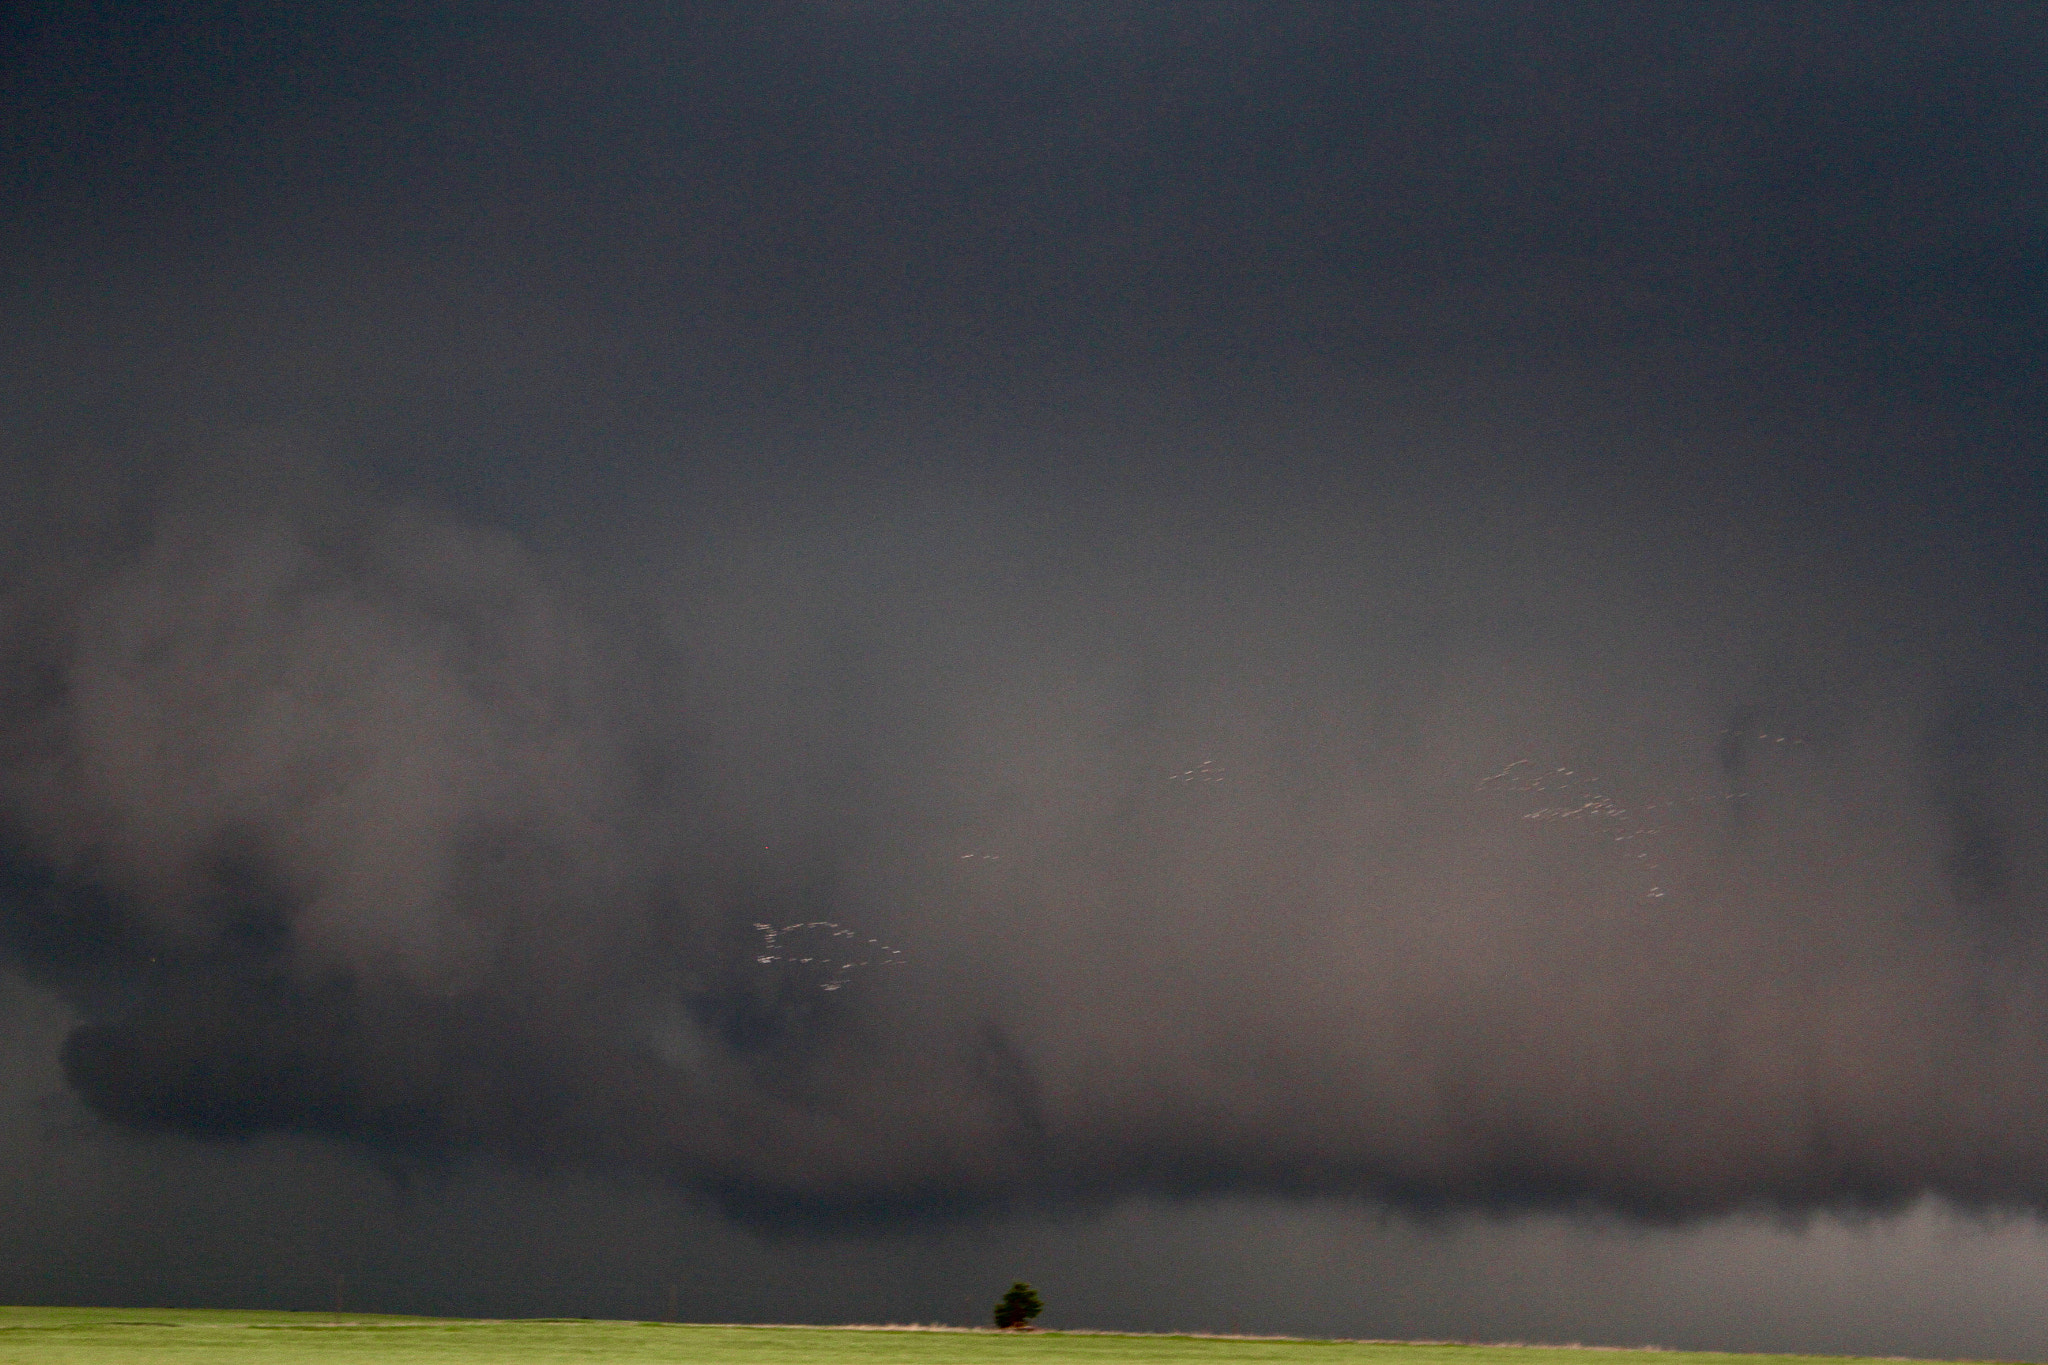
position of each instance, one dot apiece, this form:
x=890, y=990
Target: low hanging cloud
x=942, y=854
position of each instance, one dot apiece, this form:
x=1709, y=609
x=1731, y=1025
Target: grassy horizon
x=133, y=1336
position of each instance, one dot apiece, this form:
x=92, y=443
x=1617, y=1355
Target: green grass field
x=128, y=1336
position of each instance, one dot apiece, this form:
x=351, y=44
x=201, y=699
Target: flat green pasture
x=126, y=1336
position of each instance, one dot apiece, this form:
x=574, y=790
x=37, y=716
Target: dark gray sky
x=1386, y=660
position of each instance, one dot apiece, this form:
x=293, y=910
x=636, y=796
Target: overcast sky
x=1348, y=669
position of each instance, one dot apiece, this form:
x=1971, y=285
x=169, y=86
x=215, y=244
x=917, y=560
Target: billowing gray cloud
x=1506, y=856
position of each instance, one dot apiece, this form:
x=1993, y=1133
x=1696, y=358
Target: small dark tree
x=1018, y=1307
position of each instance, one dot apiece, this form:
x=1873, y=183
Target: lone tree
x=1018, y=1307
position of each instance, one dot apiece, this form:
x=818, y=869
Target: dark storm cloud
x=1382, y=850
x=1439, y=605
